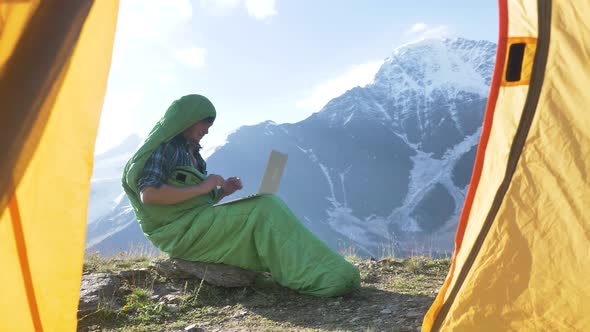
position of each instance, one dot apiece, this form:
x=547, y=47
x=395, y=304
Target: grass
x=350, y=253
x=142, y=310
x=135, y=258
x=394, y=296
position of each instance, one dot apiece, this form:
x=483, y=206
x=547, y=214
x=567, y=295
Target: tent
x=54, y=63
x=522, y=248
x=523, y=240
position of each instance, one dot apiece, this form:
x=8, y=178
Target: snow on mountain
x=105, y=184
x=431, y=65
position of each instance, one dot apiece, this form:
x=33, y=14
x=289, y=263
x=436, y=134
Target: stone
x=172, y=307
x=170, y=298
x=136, y=276
x=162, y=289
x=393, y=307
x=193, y=328
x=98, y=289
x=240, y=313
x=215, y=274
x=413, y=314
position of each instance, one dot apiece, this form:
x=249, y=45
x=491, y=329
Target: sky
x=259, y=60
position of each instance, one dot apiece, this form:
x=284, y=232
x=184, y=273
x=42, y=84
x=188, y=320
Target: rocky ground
x=125, y=294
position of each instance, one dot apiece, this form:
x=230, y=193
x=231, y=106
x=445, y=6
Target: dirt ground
x=394, y=296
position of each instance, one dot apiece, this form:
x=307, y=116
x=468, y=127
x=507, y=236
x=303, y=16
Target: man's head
x=197, y=131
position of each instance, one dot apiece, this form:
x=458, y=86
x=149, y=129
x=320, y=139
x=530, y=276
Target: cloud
x=193, y=56
x=151, y=20
x=418, y=27
x=220, y=7
x=359, y=75
x=424, y=31
x=116, y=117
x=258, y=9
x=261, y=9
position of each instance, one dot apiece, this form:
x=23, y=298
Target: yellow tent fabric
x=54, y=64
x=523, y=240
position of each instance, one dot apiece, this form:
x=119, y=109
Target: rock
x=240, y=313
x=172, y=307
x=386, y=311
x=168, y=268
x=193, y=328
x=354, y=319
x=135, y=277
x=162, y=289
x=390, y=262
x=98, y=289
x=215, y=274
x=170, y=298
x=413, y=314
x=393, y=307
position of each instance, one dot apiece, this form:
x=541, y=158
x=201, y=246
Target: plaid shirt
x=168, y=156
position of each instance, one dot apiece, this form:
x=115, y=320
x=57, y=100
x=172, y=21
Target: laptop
x=271, y=178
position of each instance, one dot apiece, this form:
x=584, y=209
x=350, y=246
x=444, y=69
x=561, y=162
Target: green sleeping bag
x=260, y=234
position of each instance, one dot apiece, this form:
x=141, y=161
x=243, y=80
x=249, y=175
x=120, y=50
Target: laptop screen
x=273, y=173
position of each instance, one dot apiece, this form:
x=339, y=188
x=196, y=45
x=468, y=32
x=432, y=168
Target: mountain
x=105, y=188
x=112, y=226
x=384, y=167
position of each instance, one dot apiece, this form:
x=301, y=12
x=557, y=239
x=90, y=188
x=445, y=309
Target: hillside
x=394, y=296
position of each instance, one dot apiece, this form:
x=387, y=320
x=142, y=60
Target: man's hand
x=166, y=194
x=214, y=180
x=231, y=185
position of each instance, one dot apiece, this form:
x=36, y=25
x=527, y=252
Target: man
x=172, y=197
x=182, y=150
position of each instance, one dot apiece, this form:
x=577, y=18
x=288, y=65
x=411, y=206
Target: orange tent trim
x=497, y=79
x=23, y=259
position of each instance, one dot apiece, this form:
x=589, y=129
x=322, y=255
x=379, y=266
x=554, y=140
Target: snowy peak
x=430, y=93
x=480, y=54
x=433, y=64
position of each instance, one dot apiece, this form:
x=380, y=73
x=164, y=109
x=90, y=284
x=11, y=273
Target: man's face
x=196, y=132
